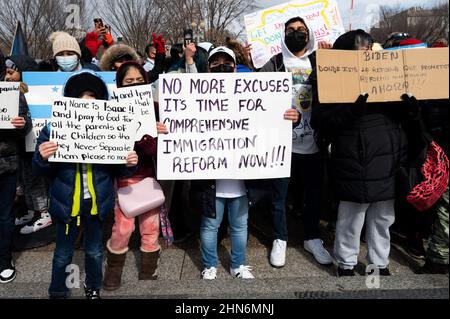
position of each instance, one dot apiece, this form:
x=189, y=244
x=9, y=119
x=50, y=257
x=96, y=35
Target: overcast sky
x=365, y=11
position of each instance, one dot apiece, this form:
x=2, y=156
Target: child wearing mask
x=224, y=193
x=80, y=194
x=132, y=74
x=66, y=55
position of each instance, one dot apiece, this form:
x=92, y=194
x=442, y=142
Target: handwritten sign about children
x=44, y=88
x=92, y=131
x=9, y=103
x=385, y=75
x=225, y=126
x=140, y=99
x=265, y=28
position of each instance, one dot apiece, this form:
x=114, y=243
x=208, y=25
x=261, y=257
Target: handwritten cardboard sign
x=225, y=126
x=92, y=131
x=265, y=27
x=385, y=75
x=9, y=103
x=140, y=99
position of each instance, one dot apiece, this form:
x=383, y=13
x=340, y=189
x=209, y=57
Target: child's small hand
x=161, y=128
x=18, y=122
x=292, y=115
x=132, y=159
x=47, y=150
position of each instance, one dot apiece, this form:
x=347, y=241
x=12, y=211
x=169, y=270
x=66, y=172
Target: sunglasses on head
x=399, y=35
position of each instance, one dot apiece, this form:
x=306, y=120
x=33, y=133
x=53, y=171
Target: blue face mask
x=67, y=63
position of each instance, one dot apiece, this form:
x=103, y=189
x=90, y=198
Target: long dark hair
x=123, y=70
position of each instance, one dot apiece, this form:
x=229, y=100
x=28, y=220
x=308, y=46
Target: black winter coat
x=366, y=151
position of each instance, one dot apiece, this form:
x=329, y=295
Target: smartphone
x=188, y=37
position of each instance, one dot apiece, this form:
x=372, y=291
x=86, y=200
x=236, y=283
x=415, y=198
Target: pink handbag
x=140, y=198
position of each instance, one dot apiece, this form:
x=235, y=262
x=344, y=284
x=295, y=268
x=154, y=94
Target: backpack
x=435, y=175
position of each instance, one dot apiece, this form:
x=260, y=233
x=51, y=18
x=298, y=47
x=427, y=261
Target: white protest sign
x=9, y=103
x=225, y=126
x=140, y=99
x=92, y=131
x=44, y=88
x=266, y=27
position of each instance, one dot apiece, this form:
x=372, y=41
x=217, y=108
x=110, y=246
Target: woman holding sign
x=9, y=166
x=79, y=194
x=128, y=75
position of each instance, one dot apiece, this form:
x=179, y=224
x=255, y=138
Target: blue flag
x=19, y=45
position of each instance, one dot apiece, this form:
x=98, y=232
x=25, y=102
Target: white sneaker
x=278, y=253
x=209, y=273
x=243, y=272
x=41, y=223
x=25, y=219
x=8, y=273
x=315, y=247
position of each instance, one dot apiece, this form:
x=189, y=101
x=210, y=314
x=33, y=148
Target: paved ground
x=180, y=267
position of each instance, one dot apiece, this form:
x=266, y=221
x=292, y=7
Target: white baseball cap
x=223, y=50
x=207, y=46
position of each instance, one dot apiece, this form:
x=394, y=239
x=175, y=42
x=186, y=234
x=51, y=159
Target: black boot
x=433, y=268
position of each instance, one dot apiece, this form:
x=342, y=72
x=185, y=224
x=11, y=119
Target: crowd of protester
x=354, y=149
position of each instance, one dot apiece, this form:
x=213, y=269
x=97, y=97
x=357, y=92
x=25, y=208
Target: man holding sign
x=298, y=57
x=80, y=192
x=238, y=132
x=14, y=126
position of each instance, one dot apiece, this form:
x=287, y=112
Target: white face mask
x=67, y=63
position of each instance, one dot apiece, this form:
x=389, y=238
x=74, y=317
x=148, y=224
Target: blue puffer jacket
x=63, y=175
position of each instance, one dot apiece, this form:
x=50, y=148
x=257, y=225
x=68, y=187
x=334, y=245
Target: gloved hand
x=159, y=43
x=411, y=104
x=359, y=107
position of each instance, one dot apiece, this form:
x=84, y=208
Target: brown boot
x=149, y=265
x=113, y=271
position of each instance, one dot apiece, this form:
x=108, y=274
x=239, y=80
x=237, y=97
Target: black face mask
x=296, y=41
x=222, y=69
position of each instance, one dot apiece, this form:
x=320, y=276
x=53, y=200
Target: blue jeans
x=7, y=194
x=237, y=216
x=65, y=246
x=279, y=192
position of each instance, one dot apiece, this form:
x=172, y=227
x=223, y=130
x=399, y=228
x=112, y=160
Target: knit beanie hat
x=63, y=41
x=86, y=80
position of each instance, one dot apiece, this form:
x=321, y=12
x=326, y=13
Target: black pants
x=306, y=191
x=7, y=194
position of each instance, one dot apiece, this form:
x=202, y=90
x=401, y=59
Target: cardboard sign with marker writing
x=385, y=75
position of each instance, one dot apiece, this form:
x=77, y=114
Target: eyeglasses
x=301, y=29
